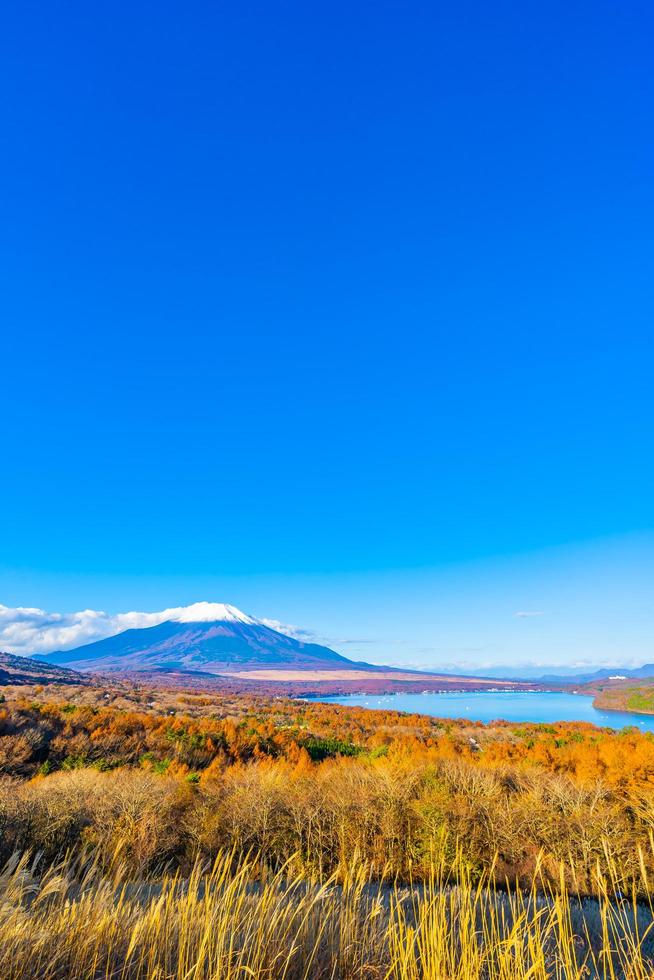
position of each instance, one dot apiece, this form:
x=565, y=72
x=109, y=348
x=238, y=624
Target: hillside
x=23, y=670
x=622, y=695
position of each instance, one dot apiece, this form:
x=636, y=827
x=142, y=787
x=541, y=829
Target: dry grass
x=237, y=920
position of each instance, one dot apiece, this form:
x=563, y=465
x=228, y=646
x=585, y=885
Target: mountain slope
x=232, y=643
x=23, y=670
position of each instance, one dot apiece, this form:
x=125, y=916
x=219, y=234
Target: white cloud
x=296, y=632
x=309, y=636
x=26, y=630
x=528, y=614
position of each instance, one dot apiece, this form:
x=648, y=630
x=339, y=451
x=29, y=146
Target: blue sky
x=341, y=315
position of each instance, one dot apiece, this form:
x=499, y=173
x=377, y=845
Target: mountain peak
x=210, y=612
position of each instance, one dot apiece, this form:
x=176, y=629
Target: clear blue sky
x=307, y=308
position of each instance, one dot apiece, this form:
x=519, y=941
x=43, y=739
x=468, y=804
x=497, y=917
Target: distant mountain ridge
x=605, y=673
x=567, y=676
x=229, y=641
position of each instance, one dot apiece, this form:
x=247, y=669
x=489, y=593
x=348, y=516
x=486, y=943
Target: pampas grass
x=239, y=919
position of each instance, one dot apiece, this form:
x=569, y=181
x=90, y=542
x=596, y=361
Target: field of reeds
x=239, y=919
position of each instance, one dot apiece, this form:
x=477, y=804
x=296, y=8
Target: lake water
x=519, y=706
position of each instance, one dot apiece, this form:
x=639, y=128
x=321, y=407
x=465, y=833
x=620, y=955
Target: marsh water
x=518, y=706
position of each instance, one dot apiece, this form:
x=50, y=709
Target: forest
x=114, y=799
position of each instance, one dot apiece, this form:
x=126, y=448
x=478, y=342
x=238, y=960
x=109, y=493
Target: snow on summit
x=208, y=612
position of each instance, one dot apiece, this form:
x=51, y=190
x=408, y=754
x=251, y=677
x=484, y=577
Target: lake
x=520, y=706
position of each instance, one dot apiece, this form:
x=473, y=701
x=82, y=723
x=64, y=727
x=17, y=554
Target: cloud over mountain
x=25, y=630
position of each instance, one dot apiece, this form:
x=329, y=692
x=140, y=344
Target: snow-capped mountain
x=208, y=636
x=210, y=612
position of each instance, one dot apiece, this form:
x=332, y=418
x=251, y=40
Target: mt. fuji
x=212, y=637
